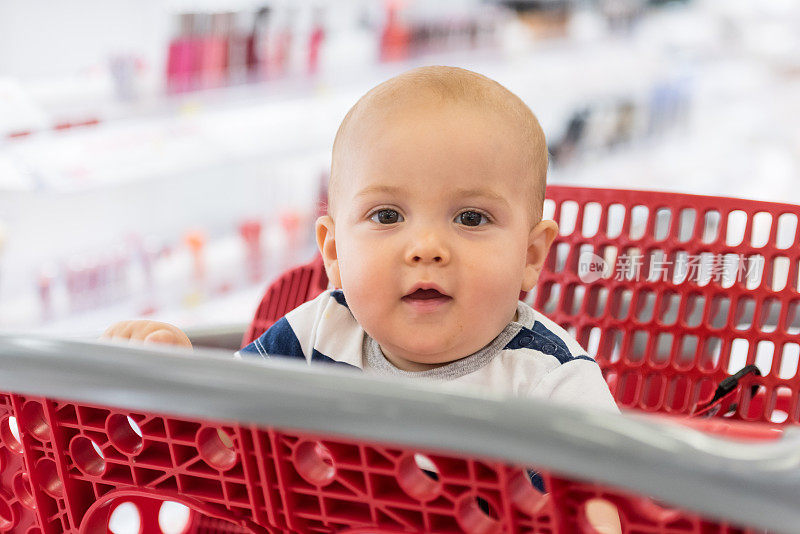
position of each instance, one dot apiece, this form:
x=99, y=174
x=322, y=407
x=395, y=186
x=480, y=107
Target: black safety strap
x=725, y=389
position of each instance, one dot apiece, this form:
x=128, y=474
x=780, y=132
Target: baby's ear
x=326, y=243
x=539, y=241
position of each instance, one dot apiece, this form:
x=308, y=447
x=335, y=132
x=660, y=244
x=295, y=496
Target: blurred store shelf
x=692, y=96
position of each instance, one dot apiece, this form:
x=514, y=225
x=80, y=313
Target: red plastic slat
x=293, y=288
x=17, y=502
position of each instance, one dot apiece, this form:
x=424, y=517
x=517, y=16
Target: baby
x=434, y=227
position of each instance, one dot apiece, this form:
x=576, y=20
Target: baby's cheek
x=495, y=291
x=364, y=289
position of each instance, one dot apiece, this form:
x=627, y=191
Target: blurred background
x=165, y=159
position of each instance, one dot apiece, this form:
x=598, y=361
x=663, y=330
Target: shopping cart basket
x=254, y=447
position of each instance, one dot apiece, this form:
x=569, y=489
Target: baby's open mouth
x=427, y=300
x=426, y=294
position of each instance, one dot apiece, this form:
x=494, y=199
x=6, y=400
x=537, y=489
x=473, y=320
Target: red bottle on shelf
x=181, y=58
x=396, y=35
x=250, y=231
x=196, y=241
x=215, y=51
x=315, y=42
x=281, y=52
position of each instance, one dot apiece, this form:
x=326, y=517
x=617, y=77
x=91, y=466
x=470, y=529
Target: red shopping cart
x=673, y=294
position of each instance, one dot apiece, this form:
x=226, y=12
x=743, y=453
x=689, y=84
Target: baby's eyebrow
x=458, y=193
x=378, y=189
x=485, y=193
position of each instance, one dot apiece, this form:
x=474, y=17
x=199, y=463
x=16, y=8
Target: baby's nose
x=435, y=259
x=428, y=249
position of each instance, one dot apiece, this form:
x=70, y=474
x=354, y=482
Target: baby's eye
x=472, y=218
x=386, y=216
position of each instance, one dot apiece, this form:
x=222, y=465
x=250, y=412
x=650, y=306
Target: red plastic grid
x=17, y=504
x=349, y=486
x=87, y=460
x=665, y=341
x=47, y=482
x=343, y=485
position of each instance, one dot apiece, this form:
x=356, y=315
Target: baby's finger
x=124, y=331
x=168, y=334
x=162, y=335
x=112, y=331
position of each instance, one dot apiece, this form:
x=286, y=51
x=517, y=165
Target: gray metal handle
x=749, y=483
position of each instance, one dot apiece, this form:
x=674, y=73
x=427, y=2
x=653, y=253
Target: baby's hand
x=145, y=331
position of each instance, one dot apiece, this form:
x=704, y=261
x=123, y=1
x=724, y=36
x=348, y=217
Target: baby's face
x=433, y=233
